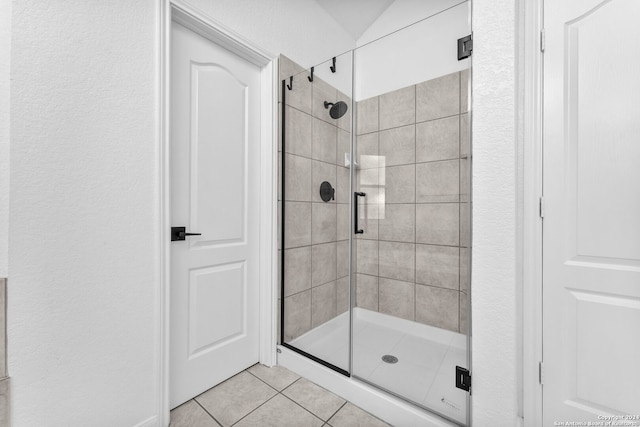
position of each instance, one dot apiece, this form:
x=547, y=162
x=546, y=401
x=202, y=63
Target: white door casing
x=591, y=249
x=214, y=190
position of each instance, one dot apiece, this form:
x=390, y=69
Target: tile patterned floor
x=270, y=397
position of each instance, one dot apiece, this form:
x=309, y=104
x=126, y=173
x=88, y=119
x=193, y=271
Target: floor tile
x=191, y=414
x=280, y=412
x=235, y=398
x=314, y=398
x=352, y=416
x=276, y=376
x=423, y=374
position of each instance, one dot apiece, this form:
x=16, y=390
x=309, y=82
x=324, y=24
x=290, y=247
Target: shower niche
x=375, y=213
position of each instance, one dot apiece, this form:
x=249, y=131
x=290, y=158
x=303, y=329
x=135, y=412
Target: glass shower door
x=375, y=209
x=410, y=277
x=315, y=287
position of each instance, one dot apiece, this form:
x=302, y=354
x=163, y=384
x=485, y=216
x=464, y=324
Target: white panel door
x=214, y=165
x=591, y=280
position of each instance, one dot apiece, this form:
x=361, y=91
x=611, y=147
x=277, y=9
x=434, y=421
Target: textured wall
x=5, y=60
x=84, y=213
x=494, y=213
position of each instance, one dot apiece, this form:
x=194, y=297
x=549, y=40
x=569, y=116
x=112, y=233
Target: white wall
x=82, y=246
x=5, y=57
x=300, y=29
x=421, y=52
x=494, y=278
x=84, y=197
x=402, y=13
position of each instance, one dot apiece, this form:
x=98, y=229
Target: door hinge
x=540, y=373
x=541, y=207
x=463, y=378
x=542, y=41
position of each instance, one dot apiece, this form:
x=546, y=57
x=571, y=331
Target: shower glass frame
x=323, y=72
x=348, y=369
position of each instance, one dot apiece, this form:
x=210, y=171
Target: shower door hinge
x=463, y=378
x=542, y=41
x=540, y=373
x=541, y=207
x=465, y=47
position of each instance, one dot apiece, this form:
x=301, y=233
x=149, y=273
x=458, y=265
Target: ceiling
x=355, y=16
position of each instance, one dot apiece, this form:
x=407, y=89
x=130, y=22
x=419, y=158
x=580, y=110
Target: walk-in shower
x=375, y=212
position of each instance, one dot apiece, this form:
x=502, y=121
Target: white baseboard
x=150, y=422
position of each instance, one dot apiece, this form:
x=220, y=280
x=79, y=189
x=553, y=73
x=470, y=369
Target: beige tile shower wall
x=412, y=147
x=316, y=237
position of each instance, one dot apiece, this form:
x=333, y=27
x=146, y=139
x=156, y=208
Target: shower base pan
x=424, y=372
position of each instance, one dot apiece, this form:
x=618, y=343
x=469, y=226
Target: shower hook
x=290, y=85
x=311, y=77
x=333, y=67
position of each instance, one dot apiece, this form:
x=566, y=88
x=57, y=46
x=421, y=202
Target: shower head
x=337, y=110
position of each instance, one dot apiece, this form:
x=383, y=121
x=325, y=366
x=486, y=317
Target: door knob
x=179, y=233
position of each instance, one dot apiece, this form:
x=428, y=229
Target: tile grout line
x=338, y=410
x=416, y=123
x=298, y=404
x=247, y=370
x=298, y=379
x=256, y=408
x=208, y=413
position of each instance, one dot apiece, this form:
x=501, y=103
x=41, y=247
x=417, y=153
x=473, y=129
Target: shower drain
x=389, y=358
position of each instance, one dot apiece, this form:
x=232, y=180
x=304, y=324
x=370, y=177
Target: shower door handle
x=355, y=210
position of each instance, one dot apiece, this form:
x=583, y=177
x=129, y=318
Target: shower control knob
x=327, y=192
